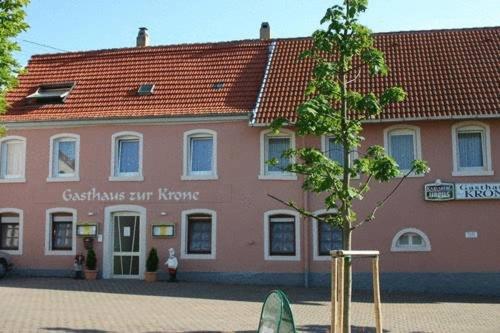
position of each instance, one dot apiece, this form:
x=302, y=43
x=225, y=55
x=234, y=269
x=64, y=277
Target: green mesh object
x=276, y=315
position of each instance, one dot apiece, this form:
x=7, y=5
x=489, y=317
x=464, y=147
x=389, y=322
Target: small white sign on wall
x=471, y=234
x=126, y=232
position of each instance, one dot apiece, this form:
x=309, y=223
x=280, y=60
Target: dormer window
x=52, y=93
x=146, y=89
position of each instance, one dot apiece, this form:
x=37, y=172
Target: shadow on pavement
x=246, y=293
x=72, y=330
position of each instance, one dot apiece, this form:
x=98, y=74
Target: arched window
x=64, y=157
x=410, y=240
x=126, y=160
x=12, y=159
x=200, y=155
x=471, y=149
x=402, y=142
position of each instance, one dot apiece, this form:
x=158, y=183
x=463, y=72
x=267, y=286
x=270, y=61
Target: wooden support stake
x=376, y=294
x=340, y=291
x=334, y=298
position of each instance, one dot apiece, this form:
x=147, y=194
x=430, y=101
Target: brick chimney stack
x=265, y=31
x=143, y=37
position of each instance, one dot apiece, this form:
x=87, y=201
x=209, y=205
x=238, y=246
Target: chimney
x=265, y=31
x=143, y=37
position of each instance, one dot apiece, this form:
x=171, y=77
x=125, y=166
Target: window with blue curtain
x=64, y=158
x=276, y=146
x=201, y=155
x=282, y=235
x=128, y=156
x=470, y=149
x=335, y=151
x=329, y=238
x=402, y=149
x=199, y=234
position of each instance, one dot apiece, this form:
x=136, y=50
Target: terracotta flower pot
x=90, y=275
x=150, y=276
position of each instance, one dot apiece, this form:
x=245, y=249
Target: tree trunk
x=347, y=283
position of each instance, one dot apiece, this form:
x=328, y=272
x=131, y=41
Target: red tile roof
x=446, y=73
x=107, y=82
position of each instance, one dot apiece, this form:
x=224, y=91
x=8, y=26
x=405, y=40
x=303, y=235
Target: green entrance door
x=126, y=245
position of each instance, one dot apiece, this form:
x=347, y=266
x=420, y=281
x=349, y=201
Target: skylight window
x=218, y=85
x=146, y=89
x=52, y=93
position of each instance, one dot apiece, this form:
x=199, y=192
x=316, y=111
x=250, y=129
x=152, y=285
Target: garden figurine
x=172, y=264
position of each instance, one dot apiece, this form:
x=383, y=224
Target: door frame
x=108, y=239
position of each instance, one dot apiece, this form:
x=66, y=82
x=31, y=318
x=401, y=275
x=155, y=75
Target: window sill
x=278, y=177
x=199, y=177
x=282, y=258
x=60, y=253
x=321, y=258
x=13, y=180
x=198, y=256
x=62, y=179
x=397, y=249
x=13, y=252
x=471, y=173
x=411, y=175
x=126, y=179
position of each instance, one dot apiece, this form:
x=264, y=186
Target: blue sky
x=95, y=24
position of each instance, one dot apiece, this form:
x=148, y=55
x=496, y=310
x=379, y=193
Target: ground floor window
x=410, y=240
x=329, y=238
x=199, y=234
x=9, y=231
x=60, y=232
x=282, y=235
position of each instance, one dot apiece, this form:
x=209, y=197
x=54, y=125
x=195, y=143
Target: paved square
x=65, y=305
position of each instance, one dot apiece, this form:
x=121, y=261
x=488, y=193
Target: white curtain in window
x=12, y=159
x=335, y=151
x=402, y=150
x=201, y=154
x=276, y=147
x=470, y=150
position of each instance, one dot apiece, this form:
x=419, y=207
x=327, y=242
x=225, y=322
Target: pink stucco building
x=165, y=147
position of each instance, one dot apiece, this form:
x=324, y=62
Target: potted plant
x=90, y=265
x=151, y=266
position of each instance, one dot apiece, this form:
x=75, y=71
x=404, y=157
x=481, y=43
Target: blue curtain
x=201, y=154
x=470, y=150
x=402, y=150
x=335, y=151
x=282, y=237
x=128, y=156
x=276, y=147
x=330, y=238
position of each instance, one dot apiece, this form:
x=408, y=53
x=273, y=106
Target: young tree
x=12, y=23
x=340, y=52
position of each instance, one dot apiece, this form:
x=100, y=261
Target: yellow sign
x=164, y=230
x=86, y=230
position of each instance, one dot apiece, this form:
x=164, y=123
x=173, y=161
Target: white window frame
x=417, y=143
x=315, y=234
x=184, y=234
x=20, y=213
x=187, y=174
x=48, y=232
x=325, y=148
x=22, y=178
x=115, y=138
x=487, y=169
x=426, y=247
x=276, y=175
x=58, y=178
x=267, y=240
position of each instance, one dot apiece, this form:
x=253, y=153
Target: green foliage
x=152, y=261
x=91, y=261
x=340, y=51
x=12, y=23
